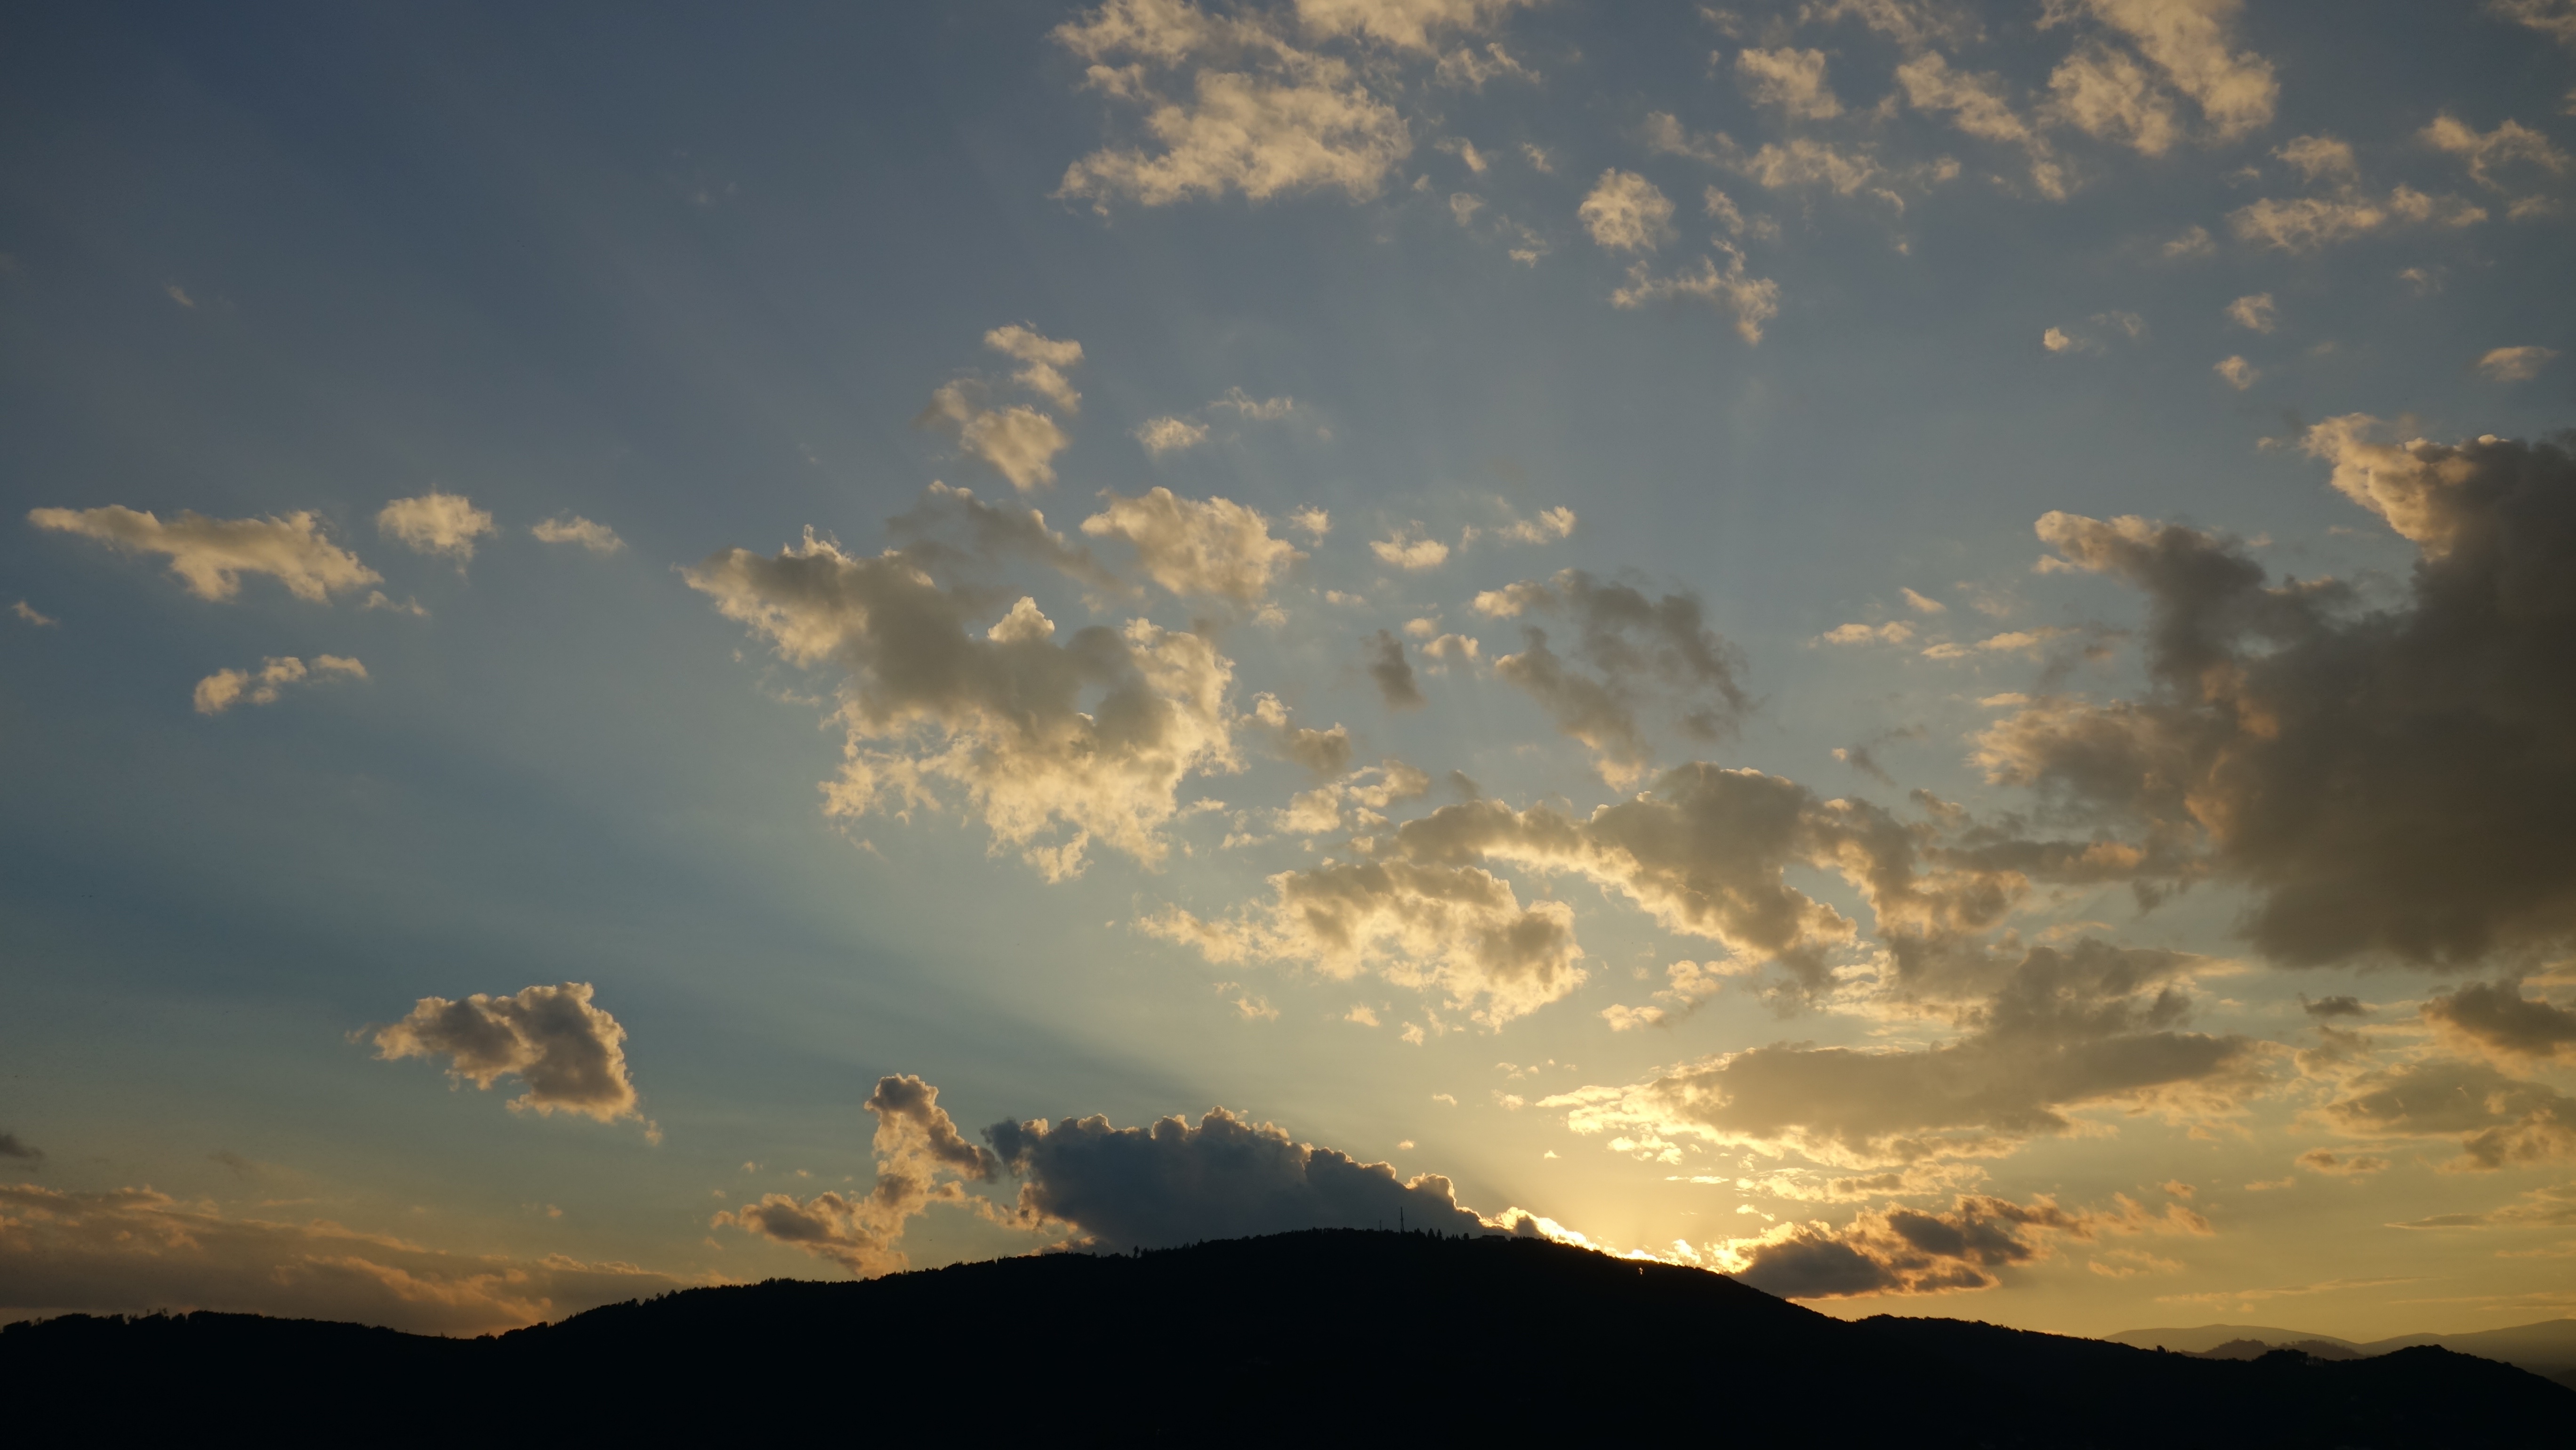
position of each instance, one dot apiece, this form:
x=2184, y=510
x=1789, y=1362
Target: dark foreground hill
x=1323, y=1337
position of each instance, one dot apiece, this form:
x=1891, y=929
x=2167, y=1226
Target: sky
x=1919, y=651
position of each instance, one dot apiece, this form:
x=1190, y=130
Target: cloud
x=2104, y=92
x=570, y=1053
x=1550, y=525
x=1405, y=549
x=1401, y=24
x=2553, y=1205
x=1314, y=523
x=2236, y=372
x=2310, y=223
x=1090, y=736
x=2553, y=18
x=1196, y=547
x=1922, y=603
x=2497, y=1021
x=29, y=614
x=2509, y=142
x=2326, y=1161
x=2515, y=364
x=1170, y=435
x=2320, y=157
x=1638, y=651
x=2092, y=1025
x=598, y=538
x=1017, y=441
x=2058, y=339
x=991, y=532
x=1893, y=632
x=2328, y=1008
x=2270, y=700
x=2255, y=313
x=1259, y=115
x=1244, y=405
x=2501, y=1120
x=435, y=523
x=1626, y=213
x=211, y=555
x=134, y=1250
x=1223, y=1177
x=1977, y=107
x=921, y=1159
x=2194, y=242
x=1393, y=673
x=10, y=1147
x=1325, y=752
x=1793, y=80
x=1046, y=359
x=224, y=689
x=1753, y=300
x=1906, y=1251
x=2189, y=41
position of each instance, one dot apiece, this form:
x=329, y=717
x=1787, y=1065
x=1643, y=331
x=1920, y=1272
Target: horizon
x=1910, y=650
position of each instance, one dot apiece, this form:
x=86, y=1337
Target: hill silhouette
x=1321, y=1336
x=2547, y=1348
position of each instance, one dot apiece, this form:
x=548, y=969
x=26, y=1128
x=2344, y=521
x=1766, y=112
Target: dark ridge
x=2256, y=1349
x=1328, y=1336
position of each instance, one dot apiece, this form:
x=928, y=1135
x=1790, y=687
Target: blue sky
x=1786, y=327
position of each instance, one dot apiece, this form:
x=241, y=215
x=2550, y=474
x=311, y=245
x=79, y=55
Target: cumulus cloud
x=1895, y=631
x=2508, y=143
x=1624, y=212
x=2191, y=42
x=991, y=532
x=1017, y=441
x=1907, y=1251
x=1170, y=435
x=2553, y=18
x=1392, y=672
x=435, y=523
x=598, y=538
x=2309, y=223
x=1976, y=105
x=2500, y=1120
x=1046, y=359
x=1401, y=24
x=1407, y=549
x=1550, y=524
x=134, y=1250
x=569, y=1052
x=1325, y=752
x=1089, y=737
x=2106, y=92
x=1792, y=80
x=1753, y=300
x=1630, y=652
x=211, y=555
x=2272, y=702
x=2236, y=372
x=2254, y=313
x=2515, y=364
x=2496, y=1020
x=1229, y=106
x=1196, y=547
x=921, y=1159
x=224, y=689
x=1223, y=1177
x=2089, y=1026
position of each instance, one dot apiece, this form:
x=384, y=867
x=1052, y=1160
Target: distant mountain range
x=2547, y=1348
x=1323, y=1337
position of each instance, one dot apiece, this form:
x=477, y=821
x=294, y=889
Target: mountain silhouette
x=1325, y=1336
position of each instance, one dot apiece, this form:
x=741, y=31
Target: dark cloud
x=2093, y=1024
x=2501, y=1022
x=133, y=1250
x=1393, y=672
x=570, y=1053
x=1630, y=651
x=2326, y=1009
x=27, y=1153
x=1226, y=1177
x=921, y=1160
x=993, y=531
x=2395, y=782
x=2501, y=1120
x=1906, y=1251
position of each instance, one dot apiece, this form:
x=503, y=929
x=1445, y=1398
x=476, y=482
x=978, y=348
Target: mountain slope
x=1331, y=1335
x=2546, y=1348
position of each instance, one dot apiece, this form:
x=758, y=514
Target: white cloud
x=1895, y=631
x=1170, y=435
x=211, y=555
x=1753, y=300
x=1923, y=603
x=2058, y=339
x=1550, y=524
x=921, y=1159
x=435, y=523
x=1626, y=213
x=2320, y=157
x=1407, y=549
x=1018, y=441
x=2106, y=93
x=2189, y=41
x=2510, y=141
x=569, y=1052
x=224, y=689
x=1977, y=107
x=1212, y=547
x=2515, y=364
x=2307, y=224
x=1314, y=523
x=1793, y=80
x=598, y=538
x=2254, y=313
x=1089, y=738
x=2237, y=372
x=2553, y=18
x=1244, y=405
x=2193, y=243
x=31, y=615
x=1046, y=360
